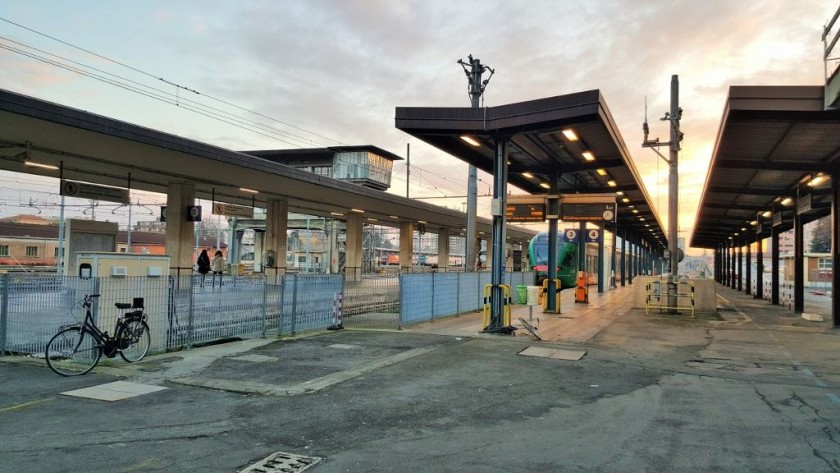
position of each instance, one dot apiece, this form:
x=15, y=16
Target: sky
x=329, y=72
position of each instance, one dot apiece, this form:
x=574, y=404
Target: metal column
x=748, y=269
x=835, y=250
x=624, y=257
x=759, y=268
x=601, y=259
x=798, y=261
x=774, y=263
x=498, y=270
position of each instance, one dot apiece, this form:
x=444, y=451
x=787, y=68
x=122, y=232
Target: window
x=824, y=263
x=56, y=252
x=4, y=250
x=31, y=251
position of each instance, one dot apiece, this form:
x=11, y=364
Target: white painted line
x=820, y=384
x=806, y=372
x=834, y=398
x=254, y=358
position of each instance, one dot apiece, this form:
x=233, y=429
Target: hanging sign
x=232, y=210
x=83, y=190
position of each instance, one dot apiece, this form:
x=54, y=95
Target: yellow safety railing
x=544, y=295
x=507, y=301
x=656, y=296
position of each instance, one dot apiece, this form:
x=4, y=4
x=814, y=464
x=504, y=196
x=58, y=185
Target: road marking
x=820, y=384
x=834, y=398
x=24, y=405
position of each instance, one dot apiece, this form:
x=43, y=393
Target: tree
x=821, y=241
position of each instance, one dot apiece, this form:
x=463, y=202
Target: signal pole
x=473, y=69
x=673, y=117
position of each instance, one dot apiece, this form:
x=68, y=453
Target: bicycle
x=76, y=349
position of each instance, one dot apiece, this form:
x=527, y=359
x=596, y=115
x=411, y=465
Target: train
x=567, y=259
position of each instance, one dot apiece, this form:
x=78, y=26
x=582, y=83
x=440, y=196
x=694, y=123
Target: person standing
x=203, y=264
x=218, y=267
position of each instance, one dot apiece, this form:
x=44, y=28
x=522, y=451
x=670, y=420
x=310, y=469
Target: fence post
x=190, y=316
x=4, y=314
x=280, y=309
x=294, y=302
x=264, y=305
x=432, y=318
x=97, y=289
x=402, y=302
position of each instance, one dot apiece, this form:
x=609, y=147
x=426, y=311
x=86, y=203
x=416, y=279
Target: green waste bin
x=521, y=294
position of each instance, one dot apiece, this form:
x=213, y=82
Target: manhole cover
x=282, y=462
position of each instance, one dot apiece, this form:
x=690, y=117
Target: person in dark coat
x=203, y=264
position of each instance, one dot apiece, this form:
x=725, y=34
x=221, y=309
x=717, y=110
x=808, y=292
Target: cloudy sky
x=324, y=72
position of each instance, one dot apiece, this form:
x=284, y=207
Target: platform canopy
x=774, y=142
x=100, y=150
x=571, y=138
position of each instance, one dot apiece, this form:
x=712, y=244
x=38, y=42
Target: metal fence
x=181, y=311
x=189, y=310
x=426, y=296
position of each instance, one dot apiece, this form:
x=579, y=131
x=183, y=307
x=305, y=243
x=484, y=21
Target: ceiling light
x=619, y=192
x=544, y=185
x=587, y=155
x=40, y=165
x=601, y=172
x=372, y=219
x=625, y=200
x=754, y=223
x=570, y=134
x=528, y=175
x=393, y=216
x=357, y=211
x=421, y=221
x=337, y=214
x=743, y=229
x=787, y=201
x=817, y=180
x=252, y=191
x=635, y=211
x=611, y=183
x=767, y=214
x=469, y=139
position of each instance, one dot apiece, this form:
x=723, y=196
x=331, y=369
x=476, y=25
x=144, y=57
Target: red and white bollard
x=338, y=322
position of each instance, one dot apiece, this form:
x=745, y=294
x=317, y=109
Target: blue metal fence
x=183, y=312
x=423, y=297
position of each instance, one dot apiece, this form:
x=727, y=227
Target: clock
x=608, y=215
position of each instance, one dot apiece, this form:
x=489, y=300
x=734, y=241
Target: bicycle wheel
x=72, y=352
x=138, y=338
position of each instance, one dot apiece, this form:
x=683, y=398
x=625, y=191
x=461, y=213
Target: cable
x=177, y=98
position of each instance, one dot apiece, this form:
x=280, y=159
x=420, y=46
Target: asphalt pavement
x=751, y=388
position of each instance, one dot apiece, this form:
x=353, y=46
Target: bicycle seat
x=122, y=305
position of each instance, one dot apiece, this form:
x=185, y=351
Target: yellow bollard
x=557, y=285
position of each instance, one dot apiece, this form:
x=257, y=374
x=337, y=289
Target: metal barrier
x=656, y=298
x=373, y=301
x=182, y=312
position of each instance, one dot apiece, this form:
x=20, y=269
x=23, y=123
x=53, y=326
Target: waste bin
x=521, y=294
x=533, y=295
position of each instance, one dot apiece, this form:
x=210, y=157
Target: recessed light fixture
x=611, y=183
x=357, y=211
x=754, y=223
x=570, y=134
x=817, y=180
x=787, y=201
x=393, y=216
x=421, y=221
x=372, y=220
x=587, y=155
x=469, y=139
x=252, y=191
x=601, y=172
x=625, y=200
x=40, y=165
x=544, y=185
x=766, y=214
x=528, y=175
x=337, y=214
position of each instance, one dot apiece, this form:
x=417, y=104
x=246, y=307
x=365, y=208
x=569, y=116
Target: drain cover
x=282, y=462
